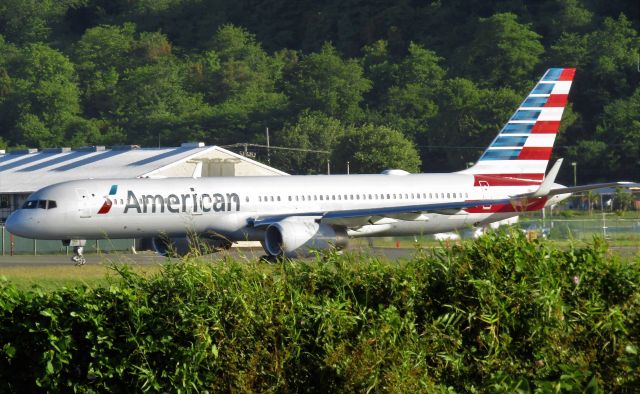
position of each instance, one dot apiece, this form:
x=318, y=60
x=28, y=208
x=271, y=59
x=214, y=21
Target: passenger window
x=448, y=195
x=278, y=198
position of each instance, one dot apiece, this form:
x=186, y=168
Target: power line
x=242, y=145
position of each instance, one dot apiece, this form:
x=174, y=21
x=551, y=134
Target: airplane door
x=84, y=206
x=484, y=185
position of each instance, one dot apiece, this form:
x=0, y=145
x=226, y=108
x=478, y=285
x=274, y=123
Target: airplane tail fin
x=523, y=147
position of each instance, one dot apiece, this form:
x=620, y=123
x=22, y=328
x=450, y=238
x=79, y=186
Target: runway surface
x=246, y=254
x=150, y=258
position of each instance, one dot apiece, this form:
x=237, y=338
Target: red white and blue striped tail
x=522, y=149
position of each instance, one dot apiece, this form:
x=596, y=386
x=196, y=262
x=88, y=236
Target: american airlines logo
x=106, y=207
x=175, y=203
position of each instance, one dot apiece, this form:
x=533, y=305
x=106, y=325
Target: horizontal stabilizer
x=593, y=186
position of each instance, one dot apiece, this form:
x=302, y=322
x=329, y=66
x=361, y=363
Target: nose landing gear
x=78, y=248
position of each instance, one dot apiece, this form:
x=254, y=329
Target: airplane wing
x=353, y=218
x=360, y=217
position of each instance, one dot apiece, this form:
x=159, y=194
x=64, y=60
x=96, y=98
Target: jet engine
x=181, y=246
x=298, y=237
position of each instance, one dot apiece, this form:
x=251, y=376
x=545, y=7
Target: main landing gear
x=78, y=257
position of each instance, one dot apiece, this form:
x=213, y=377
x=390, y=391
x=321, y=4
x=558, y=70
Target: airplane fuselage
x=128, y=208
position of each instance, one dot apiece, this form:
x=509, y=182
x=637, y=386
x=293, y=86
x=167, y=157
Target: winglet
x=548, y=181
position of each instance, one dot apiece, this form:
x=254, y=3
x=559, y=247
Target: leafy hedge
x=497, y=314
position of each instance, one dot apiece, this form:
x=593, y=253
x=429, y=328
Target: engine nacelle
x=181, y=246
x=298, y=237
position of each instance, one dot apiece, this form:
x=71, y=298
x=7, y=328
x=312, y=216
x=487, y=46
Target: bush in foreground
x=497, y=314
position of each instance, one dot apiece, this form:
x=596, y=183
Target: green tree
x=610, y=65
x=381, y=69
x=102, y=54
x=43, y=99
x=410, y=104
x=503, y=51
x=372, y=149
x=620, y=127
x=239, y=79
x=323, y=81
x=469, y=118
x=623, y=199
x=557, y=17
x=154, y=102
x=586, y=152
x=29, y=21
x=314, y=131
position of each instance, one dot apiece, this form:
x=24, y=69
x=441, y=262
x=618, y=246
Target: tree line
x=422, y=86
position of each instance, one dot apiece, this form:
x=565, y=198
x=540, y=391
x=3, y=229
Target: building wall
x=216, y=163
x=9, y=203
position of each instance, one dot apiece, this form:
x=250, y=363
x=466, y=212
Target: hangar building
x=23, y=172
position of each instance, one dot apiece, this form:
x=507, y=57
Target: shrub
x=498, y=314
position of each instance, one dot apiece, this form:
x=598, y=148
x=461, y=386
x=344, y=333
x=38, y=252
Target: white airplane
x=293, y=215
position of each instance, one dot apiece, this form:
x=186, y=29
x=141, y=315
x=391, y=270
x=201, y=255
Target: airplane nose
x=16, y=224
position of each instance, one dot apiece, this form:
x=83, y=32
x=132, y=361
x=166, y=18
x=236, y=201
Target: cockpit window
x=30, y=204
x=44, y=204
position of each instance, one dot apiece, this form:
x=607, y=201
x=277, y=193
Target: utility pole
x=328, y=167
x=347, y=168
x=575, y=178
x=268, y=148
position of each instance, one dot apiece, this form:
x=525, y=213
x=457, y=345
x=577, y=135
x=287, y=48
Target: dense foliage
x=494, y=315
x=440, y=76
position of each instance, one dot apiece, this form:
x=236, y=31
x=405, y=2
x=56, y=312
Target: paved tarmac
x=150, y=258
x=247, y=254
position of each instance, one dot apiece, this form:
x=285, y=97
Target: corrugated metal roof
x=27, y=172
